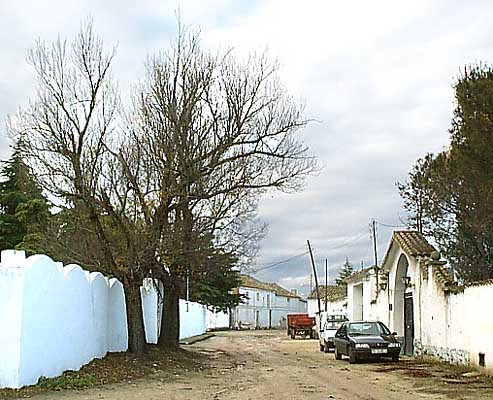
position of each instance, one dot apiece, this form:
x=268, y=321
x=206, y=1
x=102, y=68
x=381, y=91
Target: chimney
x=294, y=291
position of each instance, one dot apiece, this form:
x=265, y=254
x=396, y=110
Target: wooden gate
x=408, y=324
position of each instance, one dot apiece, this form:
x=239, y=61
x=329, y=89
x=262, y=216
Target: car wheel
x=337, y=354
x=352, y=357
x=326, y=347
x=395, y=358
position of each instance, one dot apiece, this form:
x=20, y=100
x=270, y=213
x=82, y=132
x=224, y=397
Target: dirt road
x=268, y=365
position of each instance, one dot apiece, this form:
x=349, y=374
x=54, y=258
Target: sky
x=376, y=78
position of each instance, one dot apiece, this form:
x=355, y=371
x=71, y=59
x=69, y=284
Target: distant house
x=267, y=304
x=334, y=295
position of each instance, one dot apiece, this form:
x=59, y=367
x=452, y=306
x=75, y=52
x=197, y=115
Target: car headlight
x=395, y=344
x=361, y=346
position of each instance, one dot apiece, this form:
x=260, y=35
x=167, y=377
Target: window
x=258, y=296
x=342, y=331
x=287, y=299
x=368, y=329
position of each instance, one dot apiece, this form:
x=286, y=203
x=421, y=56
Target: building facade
x=413, y=293
x=334, y=295
x=266, y=304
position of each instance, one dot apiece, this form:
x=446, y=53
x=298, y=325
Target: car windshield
x=333, y=325
x=334, y=321
x=367, y=329
x=336, y=317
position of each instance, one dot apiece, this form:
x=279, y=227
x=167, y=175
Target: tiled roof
x=250, y=282
x=412, y=242
x=444, y=278
x=358, y=275
x=333, y=292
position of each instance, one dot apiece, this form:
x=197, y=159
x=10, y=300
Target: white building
x=266, y=304
x=334, y=295
x=413, y=293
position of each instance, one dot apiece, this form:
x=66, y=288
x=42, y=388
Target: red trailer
x=300, y=324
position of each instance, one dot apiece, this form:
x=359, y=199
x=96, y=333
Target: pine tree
x=451, y=193
x=24, y=209
x=346, y=270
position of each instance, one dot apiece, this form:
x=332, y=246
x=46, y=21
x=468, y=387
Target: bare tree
x=220, y=133
x=68, y=132
x=184, y=169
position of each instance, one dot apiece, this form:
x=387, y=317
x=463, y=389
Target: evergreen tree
x=346, y=271
x=24, y=209
x=455, y=187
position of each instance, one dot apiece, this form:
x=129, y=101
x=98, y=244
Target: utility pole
x=374, y=230
x=326, y=282
x=374, y=235
x=315, y=275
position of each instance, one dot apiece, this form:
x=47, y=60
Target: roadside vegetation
x=448, y=195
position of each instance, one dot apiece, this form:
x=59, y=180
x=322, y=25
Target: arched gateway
x=391, y=291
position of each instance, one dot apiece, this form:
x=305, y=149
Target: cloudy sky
x=376, y=77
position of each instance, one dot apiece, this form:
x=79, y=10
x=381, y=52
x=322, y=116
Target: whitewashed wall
x=455, y=327
x=11, y=281
x=451, y=327
x=216, y=320
x=54, y=318
x=192, y=319
x=192, y=315
x=150, y=299
x=333, y=307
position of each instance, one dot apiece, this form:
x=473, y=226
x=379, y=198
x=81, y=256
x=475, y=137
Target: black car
x=364, y=340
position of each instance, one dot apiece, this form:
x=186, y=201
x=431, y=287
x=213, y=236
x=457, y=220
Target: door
x=257, y=319
x=341, y=340
x=408, y=324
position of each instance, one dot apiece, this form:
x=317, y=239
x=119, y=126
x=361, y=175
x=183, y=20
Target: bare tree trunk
x=135, y=316
x=170, y=321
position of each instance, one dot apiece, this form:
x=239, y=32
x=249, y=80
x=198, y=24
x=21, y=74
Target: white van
x=327, y=327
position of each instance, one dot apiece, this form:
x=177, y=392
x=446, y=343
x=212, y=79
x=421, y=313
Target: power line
x=352, y=240
x=269, y=266
x=391, y=226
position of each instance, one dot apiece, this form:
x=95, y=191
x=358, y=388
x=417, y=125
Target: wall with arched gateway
x=55, y=318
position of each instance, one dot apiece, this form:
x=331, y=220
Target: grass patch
x=67, y=382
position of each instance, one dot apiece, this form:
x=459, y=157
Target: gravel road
x=269, y=365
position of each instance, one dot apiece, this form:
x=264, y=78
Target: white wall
x=11, y=281
x=117, y=317
x=192, y=315
x=60, y=321
x=55, y=318
x=216, y=320
x=333, y=307
x=149, y=298
x=312, y=307
x=192, y=319
x=454, y=327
